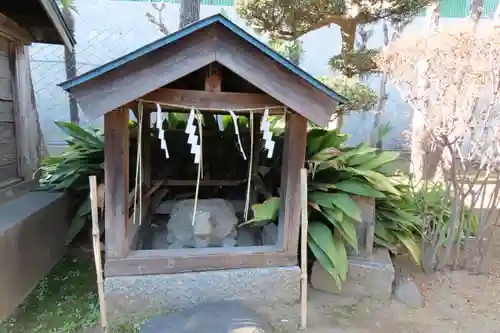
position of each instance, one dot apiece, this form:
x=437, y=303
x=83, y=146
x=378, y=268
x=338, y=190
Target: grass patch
x=64, y=302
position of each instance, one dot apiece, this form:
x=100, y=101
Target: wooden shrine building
x=178, y=70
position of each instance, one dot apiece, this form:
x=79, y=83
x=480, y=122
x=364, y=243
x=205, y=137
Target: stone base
x=33, y=230
x=366, y=277
x=259, y=288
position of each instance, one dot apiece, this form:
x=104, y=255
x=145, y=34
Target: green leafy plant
x=359, y=96
x=337, y=175
x=84, y=156
x=435, y=206
x=397, y=220
x=70, y=170
x=264, y=212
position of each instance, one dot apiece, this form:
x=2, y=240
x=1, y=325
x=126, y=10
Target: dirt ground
x=454, y=302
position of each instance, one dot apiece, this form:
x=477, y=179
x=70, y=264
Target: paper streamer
x=265, y=127
x=161, y=132
x=236, y=130
x=193, y=138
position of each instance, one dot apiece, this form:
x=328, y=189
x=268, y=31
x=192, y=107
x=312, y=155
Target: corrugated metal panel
x=460, y=8
x=203, y=2
x=454, y=8
x=489, y=7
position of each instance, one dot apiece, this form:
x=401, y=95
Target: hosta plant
x=338, y=173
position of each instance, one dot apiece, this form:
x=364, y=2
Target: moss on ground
x=65, y=301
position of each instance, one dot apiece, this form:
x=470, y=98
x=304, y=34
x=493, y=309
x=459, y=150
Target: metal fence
x=107, y=29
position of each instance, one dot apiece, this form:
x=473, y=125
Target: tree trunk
x=70, y=66
x=382, y=98
x=476, y=10
x=190, y=12
x=348, y=32
x=424, y=159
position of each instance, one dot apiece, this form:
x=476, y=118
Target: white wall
x=106, y=29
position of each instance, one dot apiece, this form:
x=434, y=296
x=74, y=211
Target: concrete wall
x=33, y=231
x=106, y=29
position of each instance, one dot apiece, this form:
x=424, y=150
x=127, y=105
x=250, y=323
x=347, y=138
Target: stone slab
x=259, y=288
x=33, y=230
x=216, y=317
x=366, y=277
x=367, y=207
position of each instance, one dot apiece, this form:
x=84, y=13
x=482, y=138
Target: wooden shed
x=33, y=225
x=21, y=23
x=211, y=66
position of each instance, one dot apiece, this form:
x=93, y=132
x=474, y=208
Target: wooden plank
x=8, y=153
x=8, y=172
x=6, y=111
x=146, y=262
x=13, y=31
x=7, y=133
x=211, y=100
x=5, y=67
x=27, y=128
x=275, y=80
x=294, y=150
x=116, y=175
x=4, y=46
x=203, y=182
x=5, y=89
x=145, y=74
x=52, y=10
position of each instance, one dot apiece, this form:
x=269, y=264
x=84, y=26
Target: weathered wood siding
x=8, y=146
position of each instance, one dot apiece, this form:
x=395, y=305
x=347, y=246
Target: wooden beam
x=13, y=31
x=294, y=150
x=146, y=262
x=211, y=100
x=203, y=182
x=116, y=181
x=57, y=19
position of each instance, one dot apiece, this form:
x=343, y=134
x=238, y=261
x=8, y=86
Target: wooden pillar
x=146, y=148
x=294, y=150
x=30, y=145
x=116, y=180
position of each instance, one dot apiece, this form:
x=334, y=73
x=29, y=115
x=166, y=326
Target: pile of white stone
x=214, y=225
